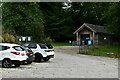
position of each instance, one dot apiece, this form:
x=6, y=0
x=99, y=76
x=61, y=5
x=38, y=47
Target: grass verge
x=106, y=51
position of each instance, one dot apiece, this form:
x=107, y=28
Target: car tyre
x=46, y=58
x=29, y=62
x=6, y=63
x=38, y=57
x=17, y=65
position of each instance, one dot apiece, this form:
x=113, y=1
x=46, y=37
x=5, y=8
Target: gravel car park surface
x=67, y=64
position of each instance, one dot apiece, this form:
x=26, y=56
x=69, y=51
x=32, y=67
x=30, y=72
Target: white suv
x=12, y=54
x=41, y=51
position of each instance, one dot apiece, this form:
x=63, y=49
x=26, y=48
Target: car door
x=4, y=52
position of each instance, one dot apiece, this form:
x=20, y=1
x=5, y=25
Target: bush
x=8, y=38
x=48, y=40
x=1, y=39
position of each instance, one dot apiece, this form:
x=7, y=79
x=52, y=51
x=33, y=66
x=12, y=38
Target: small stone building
x=97, y=34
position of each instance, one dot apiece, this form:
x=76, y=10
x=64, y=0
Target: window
x=49, y=46
x=42, y=46
x=26, y=45
x=3, y=47
x=32, y=46
x=0, y=48
x=18, y=48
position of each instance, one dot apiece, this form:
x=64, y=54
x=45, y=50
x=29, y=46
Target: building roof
x=94, y=28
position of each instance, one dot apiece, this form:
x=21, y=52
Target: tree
x=58, y=22
x=88, y=13
x=112, y=19
x=62, y=19
x=21, y=18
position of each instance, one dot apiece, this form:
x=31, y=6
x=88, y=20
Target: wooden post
x=77, y=38
x=93, y=38
x=79, y=43
x=1, y=22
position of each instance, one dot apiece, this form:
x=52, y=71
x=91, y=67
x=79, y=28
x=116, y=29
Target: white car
x=12, y=54
x=41, y=51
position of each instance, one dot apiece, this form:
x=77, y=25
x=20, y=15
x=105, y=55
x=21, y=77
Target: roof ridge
x=94, y=24
x=94, y=27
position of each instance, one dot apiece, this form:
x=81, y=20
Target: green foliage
x=88, y=13
x=38, y=34
x=112, y=18
x=58, y=22
x=61, y=23
x=61, y=44
x=50, y=19
x=23, y=19
x=105, y=50
x=48, y=40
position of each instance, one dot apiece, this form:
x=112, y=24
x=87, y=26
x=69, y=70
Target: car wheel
x=46, y=58
x=29, y=62
x=17, y=65
x=38, y=57
x=6, y=63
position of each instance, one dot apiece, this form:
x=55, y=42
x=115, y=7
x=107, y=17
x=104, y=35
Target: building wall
x=104, y=38
x=96, y=39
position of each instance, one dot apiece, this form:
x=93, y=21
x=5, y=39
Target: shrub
x=1, y=39
x=48, y=40
x=8, y=38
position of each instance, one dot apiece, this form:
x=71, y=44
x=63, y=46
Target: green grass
x=104, y=50
x=61, y=44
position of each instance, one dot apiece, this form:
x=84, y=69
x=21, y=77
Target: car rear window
x=49, y=46
x=33, y=45
x=43, y=46
x=18, y=48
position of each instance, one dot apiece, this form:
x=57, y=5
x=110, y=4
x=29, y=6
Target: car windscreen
x=18, y=48
x=43, y=46
x=26, y=45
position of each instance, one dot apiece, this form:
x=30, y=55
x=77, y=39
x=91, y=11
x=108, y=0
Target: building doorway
x=84, y=39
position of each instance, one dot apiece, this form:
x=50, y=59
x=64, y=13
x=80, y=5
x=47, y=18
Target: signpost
x=89, y=42
x=29, y=38
x=24, y=38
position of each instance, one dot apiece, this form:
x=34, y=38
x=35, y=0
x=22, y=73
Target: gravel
x=67, y=64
